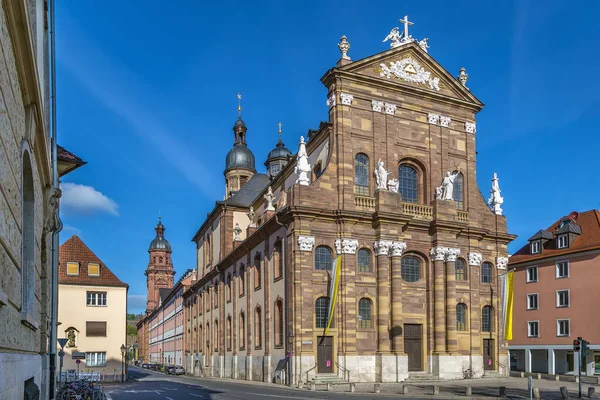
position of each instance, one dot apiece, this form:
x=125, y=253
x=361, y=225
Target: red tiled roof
x=68, y=162
x=74, y=250
x=589, y=221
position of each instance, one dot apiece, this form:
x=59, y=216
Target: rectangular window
x=536, y=247
x=95, y=359
x=563, y=241
x=96, y=299
x=73, y=268
x=532, y=301
x=562, y=269
x=93, y=269
x=563, y=298
x=533, y=329
x=532, y=274
x=95, y=328
x=563, y=327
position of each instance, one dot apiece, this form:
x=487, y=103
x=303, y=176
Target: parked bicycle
x=80, y=390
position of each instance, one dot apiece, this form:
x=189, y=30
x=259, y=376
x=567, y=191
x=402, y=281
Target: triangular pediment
x=411, y=66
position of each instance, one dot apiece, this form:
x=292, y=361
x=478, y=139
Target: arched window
x=216, y=336
x=460, y=270
x=461, y=317
x=242, y=331
x=321, y=309
x=364, y=313
x=229, y=287
x=200, y=338
x=160, y=260
x=277, y=261
x=257, y=272
x=278, y=323
x=364, y=260
x=229, y=335
x=216, y=294
x=361, y=174
x=323, y=258
x=258, y=328
x=408, y=183
x=486, y=318
x=457, y=191
x=410, y=268
x=27, y=238
x=242, y=281
x=486, y=272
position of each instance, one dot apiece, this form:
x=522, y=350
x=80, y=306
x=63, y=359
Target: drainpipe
x=55, y=185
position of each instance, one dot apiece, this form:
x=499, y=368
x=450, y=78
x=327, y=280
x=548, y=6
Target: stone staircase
x=421, y=377
x=324, y=379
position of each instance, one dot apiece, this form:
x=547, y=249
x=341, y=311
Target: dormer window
x=93, y=269
x=536, y=247
x=72, y=268
x=563, y=241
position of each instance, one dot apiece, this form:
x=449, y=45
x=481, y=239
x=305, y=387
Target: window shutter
x=95, y=328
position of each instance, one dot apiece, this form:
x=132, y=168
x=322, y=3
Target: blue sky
x=147, y=96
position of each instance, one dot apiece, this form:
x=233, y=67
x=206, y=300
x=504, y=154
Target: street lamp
x=123, y=348
x=61, y=354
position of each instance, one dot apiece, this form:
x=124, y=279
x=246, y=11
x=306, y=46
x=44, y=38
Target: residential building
x=29, y=199
x=556, y=296
x=421, y=250
x=92, y=311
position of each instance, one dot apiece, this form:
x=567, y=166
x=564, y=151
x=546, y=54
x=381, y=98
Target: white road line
x=196, y=395
x=286, y=397
x=168, y=398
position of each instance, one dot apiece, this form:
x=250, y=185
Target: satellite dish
x=573, y=216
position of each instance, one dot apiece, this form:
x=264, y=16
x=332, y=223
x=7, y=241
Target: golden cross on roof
x=239, y=96
x=280, y=125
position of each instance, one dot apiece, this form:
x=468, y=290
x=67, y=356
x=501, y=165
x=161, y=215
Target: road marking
x=286, y=397
x=168, y=398
x=196, y=395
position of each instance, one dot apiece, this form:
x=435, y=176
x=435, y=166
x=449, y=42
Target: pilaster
x=438, y=255
x=397, y=316
x=451, y=336
x=382, y=248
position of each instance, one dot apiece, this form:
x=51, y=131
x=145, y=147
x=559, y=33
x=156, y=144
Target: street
x=155, y=385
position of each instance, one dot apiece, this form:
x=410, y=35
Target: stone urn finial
x=344, y=46
x=463, y=77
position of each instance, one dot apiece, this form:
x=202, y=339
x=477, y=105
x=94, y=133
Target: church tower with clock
x=160, y=272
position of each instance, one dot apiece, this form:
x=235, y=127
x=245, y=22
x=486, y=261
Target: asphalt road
x=151, y=385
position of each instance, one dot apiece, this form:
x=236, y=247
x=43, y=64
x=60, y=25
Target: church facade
x=389, y=184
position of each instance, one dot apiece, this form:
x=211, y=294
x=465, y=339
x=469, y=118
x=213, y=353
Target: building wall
x=73, y=311
x=165, y=328
x=23, y=344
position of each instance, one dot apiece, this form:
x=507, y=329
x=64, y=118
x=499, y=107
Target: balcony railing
x=418, y=210
x=364, y=202
x=463, y=216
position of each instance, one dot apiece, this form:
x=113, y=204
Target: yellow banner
x=333, y=290
x=509, y=294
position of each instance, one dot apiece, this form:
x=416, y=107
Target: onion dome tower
x=160, y=272
x=278, y=157
x=239, y=163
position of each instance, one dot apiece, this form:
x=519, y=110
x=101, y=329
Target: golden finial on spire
x=239, y=96
x=279, y=125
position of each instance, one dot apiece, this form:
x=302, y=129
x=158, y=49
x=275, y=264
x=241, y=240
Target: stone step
x=421, y=377
x=328, y=378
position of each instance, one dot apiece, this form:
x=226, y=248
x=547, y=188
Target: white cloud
x=136, y=303
x=85, y=199
x=71, y=229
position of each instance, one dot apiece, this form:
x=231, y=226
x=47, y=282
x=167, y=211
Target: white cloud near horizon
x=85, y=199
x=136, y=303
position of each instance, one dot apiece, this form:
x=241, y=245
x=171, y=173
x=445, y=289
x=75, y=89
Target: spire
x=160, y=228
x=280, y=142
x=239, y=128
x=239, y=96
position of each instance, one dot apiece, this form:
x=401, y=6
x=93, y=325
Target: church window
x=279, y=323
x=229, y=335
x=216, y=337
x=361, y=174
x=229, y=288
x=460, y=270
x=242, y=331
x=410, y=268
x=457, y=191
x=257, y=272
x=461, y=317
x=323, y=258
x=321, y=310
x=242, y=280
x=243, y=181
x=407, y=185
x=364, y=313
x=277, y=261
x=364, y=260
x=258, y=328
x=486, y=272
x=216, y=294
x=28, y=239
x=160, y=260
x=275, y=168
x=486, y=319
x=318, y=170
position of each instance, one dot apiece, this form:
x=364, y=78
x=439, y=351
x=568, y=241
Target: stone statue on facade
x=270, y=199
x=496, y=200
x=394, y=37
x=302, y=166
x=52, y=221
x=423, y=44
x=393, y=184
x=445, y=191
x=237, y=231
x=71, y=337
x=251, y=216
x=381, y=175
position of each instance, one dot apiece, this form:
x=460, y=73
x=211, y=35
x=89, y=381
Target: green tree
x=131, y=317
x=131, y=330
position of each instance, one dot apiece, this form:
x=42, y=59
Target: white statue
x=237, y=232
x=423, y=44
x=251, y=215
x=444, y=192
x=381, y=174
x=270, y=199
x=495, y=201
x=302, y=166
x=393, y=185
x=394, y=37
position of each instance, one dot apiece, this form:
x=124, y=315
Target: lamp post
x=61, y=354
x=123, y=348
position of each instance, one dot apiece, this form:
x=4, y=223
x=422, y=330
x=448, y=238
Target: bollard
x=564, y=392
x=300, y=384
x=328, y=387
x=436, y=390
x=404, y=389
x=377, y=388
x=591, y=392
x=468, y=391
x=352, y=388
x=522, y=374
x=539, y=376
x=557, y=377
x=311, y=385
x=502, y=391
x=536, y=393
x=576, y=379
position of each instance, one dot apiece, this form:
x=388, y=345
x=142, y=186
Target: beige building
x=92, y=311
x=28, y=201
